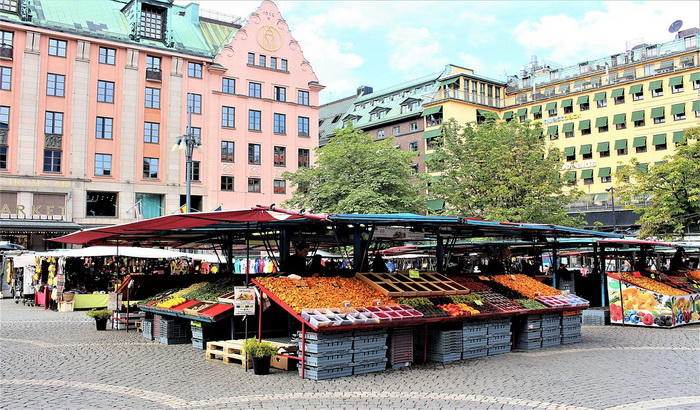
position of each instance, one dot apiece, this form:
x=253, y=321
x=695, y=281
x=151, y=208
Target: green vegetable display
x=470, y=298
x=413, y=302
x=530, y=304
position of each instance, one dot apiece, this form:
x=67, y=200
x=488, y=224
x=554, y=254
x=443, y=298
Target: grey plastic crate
x=315, y=373
x=527, y=335
x=566, y=339
x=531, y=325
x=325, y=336
x=369, y=342
x=493, y=350
x=360, y=356
x=147, y=328
x=498, y=328
x=199, y=343
x=369, y=367
x=329, y=346
x=571, y=320
x=474, y=343
x=499, y=339
x=370, y=332
x=474, y=329
x=551, y=331
x=551, y=320
x=325, y=360
x=173, y=340
x=528, y=345
x=474, y=353
x=444, y=358
x=551, y=341
x=571, y=330
x=498, y=321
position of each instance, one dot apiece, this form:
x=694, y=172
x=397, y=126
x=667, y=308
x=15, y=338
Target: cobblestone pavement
x=57, y=360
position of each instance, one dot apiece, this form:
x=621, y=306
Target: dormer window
x=9, y=5
x=152, y=20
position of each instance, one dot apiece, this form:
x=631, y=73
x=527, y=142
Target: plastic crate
x=528, y=335
x=498, y=321
x=369, y=367
x=325, y=336
x=571, y=320
x=369, y=342
x=551, y=320
x=444, y=357
x=493, y=350
x=370, y=332
x=328, y=359
x=173, y=340
x=327, y=346
x=474, y=353
x=475, y=330
x=360, y=356
x=528, y=345
x=531, y=325
x=474, y=343
x=498, y=328
x=499, y=339
x=551, y=341
x=571, y=330
x=147, y=328
x=315, y=373
x=566, y=339
x=551, y=331
x=199, y=343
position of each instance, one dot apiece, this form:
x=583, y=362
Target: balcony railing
x=6, y=51
x=461, y=95
x=153, y=74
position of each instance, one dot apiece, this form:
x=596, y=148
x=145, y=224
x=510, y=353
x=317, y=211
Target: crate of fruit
x=197, y=307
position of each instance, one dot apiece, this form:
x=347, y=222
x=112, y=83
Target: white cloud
x=470, y=61
x=414, y=49
x=474, y=17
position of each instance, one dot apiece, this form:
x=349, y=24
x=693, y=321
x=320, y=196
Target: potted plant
x=261, y=352
x=100, y=316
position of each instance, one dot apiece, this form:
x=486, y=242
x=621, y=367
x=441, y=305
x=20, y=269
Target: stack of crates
x=529, y=334
x=444, y=345
x=147, y=328
x=498, y=336
x=170, y=331
x=369, y=351
x=474, y=339
x=198, y=335
x=551, y=329
x=571, y=329
x=400, y=347
x=326, y=355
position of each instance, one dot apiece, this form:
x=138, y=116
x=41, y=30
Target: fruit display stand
x=641, y=301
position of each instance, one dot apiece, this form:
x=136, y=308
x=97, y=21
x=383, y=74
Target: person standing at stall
x=500, y=265
x=296, y=264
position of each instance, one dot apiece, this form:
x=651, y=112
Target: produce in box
x=526, y=285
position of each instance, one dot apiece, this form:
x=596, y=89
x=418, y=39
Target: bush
x=256, y=348
x=98, y=314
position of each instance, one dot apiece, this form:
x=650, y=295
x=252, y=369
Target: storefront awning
x=603, y=146
x=601, y=122
x=582, y=100
x=584, y=125
x=636, y=89
x=599, y=96
x=679, y=136
x=587, y=174
x=655, y=85
x=436, y=204
x=657, y=112
x=696, y=105
x=586, y=149
x=37, y=226
x=694, y=77
x=678, y=109
x=639, y=142
x=658, y=139
x=521, y=112
x=551, y=106
x=621, y=144
x=570, y=151
x=432, y=111
x=432, y=133
x=553, y=130
x=643, y=167
x=570, y=176
x=604, y=172
x=487, y=114
x=619, y=119
x=617, y=93
x=638, y=115
x=448, y=81
x=568, y=127
x=508, y=115
x=567, y=103
x=675, y=81
x=536, y=109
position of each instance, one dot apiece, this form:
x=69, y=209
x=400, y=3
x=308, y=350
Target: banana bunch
x=171, y=302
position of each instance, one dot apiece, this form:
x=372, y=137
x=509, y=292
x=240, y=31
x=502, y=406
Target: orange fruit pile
x=651, y=285
x=526, y=286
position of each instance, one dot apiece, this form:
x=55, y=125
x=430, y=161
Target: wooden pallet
x=228, y=352
x=402, y=285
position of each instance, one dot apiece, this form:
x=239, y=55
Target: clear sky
x=383, y=43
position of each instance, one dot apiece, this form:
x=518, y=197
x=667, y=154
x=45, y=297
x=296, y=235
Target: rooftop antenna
x=675, y=27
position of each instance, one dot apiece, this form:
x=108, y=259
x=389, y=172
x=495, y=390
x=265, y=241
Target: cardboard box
x=283, y=363
x=66, y=306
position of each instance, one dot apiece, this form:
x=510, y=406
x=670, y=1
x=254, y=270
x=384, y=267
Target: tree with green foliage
x=501, y=171
x=354, y=173
x=668, y=194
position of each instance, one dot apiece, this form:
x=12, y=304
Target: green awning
x=536, y=109
x=551, y=106
x=599, y=96
x=604, y=172
x=659, y=162
x=448, y=82
x=601, y=122
x=621, y=144
x=602, y=197
x=570, y=151
x=582, y=100
x=570, y=176
x=603, y=146
x=639, y=142
x=553, y=130
x=432, y=110
x=436, y=204
x=586, y=149
x=655, y=85
x=568, y=127
x=678, y=109
x=587, y=174
x=432, y=133
x=488, y=114
x=619, y=119
x=507, y=115
x=644, y=167
x=584, y=125
x=638, y=115
x=657, y=112
x=696, y=105
x=521, y=112
x=694, y=77
x=567, y=103
x=636, y=89
x=679, y=136
x=617, y=93
x=675, y=81
x=659, y=139
x=619, y=167
x=427, y=157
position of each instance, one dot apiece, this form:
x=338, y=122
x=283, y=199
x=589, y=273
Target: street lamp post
x=612, y=199
x=188, y=142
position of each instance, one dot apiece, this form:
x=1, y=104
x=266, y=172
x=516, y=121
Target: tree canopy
x=667, y=195
x=354, y=173
x=500, y=171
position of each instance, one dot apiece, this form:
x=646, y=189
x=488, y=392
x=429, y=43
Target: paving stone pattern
x=57, y=360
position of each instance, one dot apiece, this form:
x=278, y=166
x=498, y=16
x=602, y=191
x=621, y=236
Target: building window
x=228, y=117
x=303, y=126
x=604, y=154
x=280, y=156
x=303, y=97
x=584, y=106
x=6, y=41
x=52, y=160
x=194, y=70
x=273, y=63
x=105, y=91
x=679, y=116
x=588, y=181
x=53, y=123
x=4, y=117
x=195, y=171
x=228, y=86
x=150, y=168
x=280, y=94
x=303, y=158
x=9, y=5
x=194, y=103
x=279, y=186
x=620, y=99
x=55, y=85
x=103, y=165
x=226, y=183
x=151, y=24
x=586, y=131
x=568, y=109
x=657, y=92
x=253, y=184
x=151, y=132
x=101, y=204
x=283, y=65
x=606, y=179
x=262, y=60
x=537, y=115
x=659, y=120
x=413, y=126
x=661, y=147
x=152, y=97
x=107, y=55
x=622, y=151
x=254, y=154
x=396, y=130
x=280, y=124
x=587, y=155
x=380, y=134
x=153, y=71
x=254, y=90
x=57, y=47
x=254, y=120
x=413, y=146
x=602, y=103
x=103, y=128
x=678, y=88
x=3, y=157
x=251, y=58
x=227, y=151
x=5, y=78
x=696, y=84
x=552, y=112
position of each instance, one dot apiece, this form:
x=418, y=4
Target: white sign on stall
x=244, y=301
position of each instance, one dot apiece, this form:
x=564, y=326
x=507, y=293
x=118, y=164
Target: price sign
x=478, y=302
x=243, y=301
x=483, y=278
x=653, y=276
x=114, y=300
x=413, y=273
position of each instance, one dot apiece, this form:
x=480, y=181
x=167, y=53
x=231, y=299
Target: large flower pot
x=261, y=365
x=101, y=324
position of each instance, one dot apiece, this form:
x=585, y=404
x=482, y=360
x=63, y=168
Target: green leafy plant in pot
x=101, y=316
x=261, y=352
